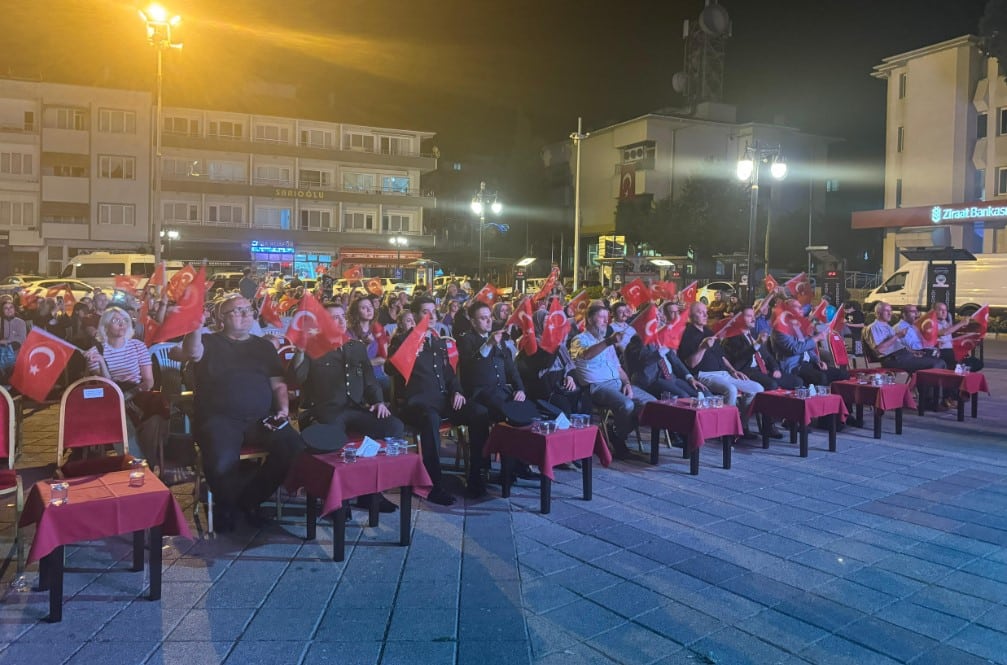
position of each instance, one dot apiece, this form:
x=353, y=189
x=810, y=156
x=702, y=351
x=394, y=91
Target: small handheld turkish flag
x=187, y=313
x=771, y=283
x=962, y=345
x=819, y=311
x=646, y=324
x=270, y=312
x=313, y=331
x=670, y=336
x=127, y=283
x=374, y=287
x=39, y=364
x=636, y=293
x=800, y=288
x=663, y=290
x=927, y=326
x=580, y=304
x=982, y=317
x=690, y=293
x=452, y=348
x=404, y=358
x=839, y=318
x=157, y=279
x=732, y=327
x=488, y=295
x=354, y=273
x=548, y=286
x=179, y=281
x=557, y=327
x=522, y=317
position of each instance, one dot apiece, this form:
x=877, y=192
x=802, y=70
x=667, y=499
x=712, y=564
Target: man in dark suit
x=432, y=394
x=658, y=370
x=750, y=354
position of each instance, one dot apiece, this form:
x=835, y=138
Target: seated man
x=657, y=370
x=239, y=385
x=887, y=343
x=750, y=354
x=704, y=356
x=433, y=393
x=599, y=371
x=912, y=339
x=342, y=395
x=620, y=324
x=798, y=354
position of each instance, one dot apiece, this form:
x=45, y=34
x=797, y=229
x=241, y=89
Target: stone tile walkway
x=890, y=551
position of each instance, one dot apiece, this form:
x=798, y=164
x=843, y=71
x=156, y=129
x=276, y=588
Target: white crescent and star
x=295, y=323
x=42, y=350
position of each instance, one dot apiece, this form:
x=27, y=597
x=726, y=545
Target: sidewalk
x=890, y=551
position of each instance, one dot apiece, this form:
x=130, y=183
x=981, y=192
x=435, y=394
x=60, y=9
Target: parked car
x=78, y=288
x=705, y=293
x=225, y=280
x=11, y=282
x=977, y=283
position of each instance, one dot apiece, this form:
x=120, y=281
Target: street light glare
x=477, y=207
x=745, y=168
x=778, y=168
x=157, y=13
x=497, y=207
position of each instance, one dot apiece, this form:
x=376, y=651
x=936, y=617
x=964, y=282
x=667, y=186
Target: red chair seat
x=8, y=479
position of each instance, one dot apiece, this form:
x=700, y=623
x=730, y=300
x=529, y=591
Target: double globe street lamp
x=398, y=242
x=757, y=154
x=482, y=201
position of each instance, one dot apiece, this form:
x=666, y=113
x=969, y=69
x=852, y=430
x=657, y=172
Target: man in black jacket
x=432, y=394
x=750, y=354
x=658, y=370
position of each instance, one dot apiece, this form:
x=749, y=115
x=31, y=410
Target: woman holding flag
x=363, y=328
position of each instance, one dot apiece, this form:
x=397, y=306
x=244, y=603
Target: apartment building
x=291, y=193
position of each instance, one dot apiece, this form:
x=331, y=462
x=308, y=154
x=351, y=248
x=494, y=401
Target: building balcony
x=334, y=194
x=19, y=134
x=646, y=164
x=200, y=230
x=65, y=189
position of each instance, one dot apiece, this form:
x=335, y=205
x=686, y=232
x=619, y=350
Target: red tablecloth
x=966, y=384
x=782, y=404
x=327, y=476
x=697, y=425
x=100, y=506
x=565, y=445
x=886, y=397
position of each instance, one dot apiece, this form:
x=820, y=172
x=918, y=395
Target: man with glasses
x=240, y=400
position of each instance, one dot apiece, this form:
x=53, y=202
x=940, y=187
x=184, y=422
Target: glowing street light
x=398, y=242
x=748, y=170
x=482, y=200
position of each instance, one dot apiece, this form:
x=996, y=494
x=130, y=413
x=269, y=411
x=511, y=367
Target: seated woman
x=362, y=327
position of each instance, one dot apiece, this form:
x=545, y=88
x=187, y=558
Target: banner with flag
x=645, y=323
x=404, y=358
x=187, y=313
x=663, y=290
x=548, y=286
x=180, y=281
x=636, y=293
x=557, y=327
x=820, y=312
x=313, y=331
x=39, y=364
x=731, y=327
x=927, y=326
x=770, y=283
x=670, y=336
x=488, y=295
x=269, y=311
x=800, y=288
x=690, y=293
x=580, y=304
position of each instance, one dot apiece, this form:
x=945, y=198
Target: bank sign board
x=990, y=212
x=940, y=214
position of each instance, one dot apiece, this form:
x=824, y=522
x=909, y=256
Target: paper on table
x=368, y=447
x=562, y=422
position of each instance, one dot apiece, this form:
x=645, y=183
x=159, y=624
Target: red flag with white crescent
x=523, y=318
x=381, y=337
x=670, y=336
x=800, y=287
x=39, y=364
x=180, y=281
x=787, y=315
x=404, y=358
x=127, y=283
x=982, y=317
x=157, y=279
x=557, y=327
x=452, y=348
x=488, y=295
x=838, y=319
x=690, y=293
x=580, y=304
x=186, y=315
x=962, y=345
x=270, y=312
x=374, y=287
x=819, y=312
x=312, y=330
x=927, y=325
x=663, y=290
x=731, y=327
x=646, y=324
x=548, y=286
x=627, y=182
x=636, y=293
x=354, y=273
x=771, y=283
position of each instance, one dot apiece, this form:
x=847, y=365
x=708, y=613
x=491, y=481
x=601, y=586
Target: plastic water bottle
x=811, y=390
x=958, y=369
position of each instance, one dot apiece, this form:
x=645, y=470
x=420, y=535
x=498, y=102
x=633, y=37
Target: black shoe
x=624, y=454
x=256, y=518
x=440, y=497
x=747, y=435
x=524, y=472
x=475, y=490
x=774, y=432
x=223, y=520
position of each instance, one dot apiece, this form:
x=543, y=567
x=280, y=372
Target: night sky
x=484, y=75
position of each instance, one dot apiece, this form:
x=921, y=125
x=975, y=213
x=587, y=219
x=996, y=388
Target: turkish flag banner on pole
x=732, y=327
x=488, y=295
x=800, y=288
x=927, y=325
x=404, y=358
x=557, y=327
x=646, y=324
x=179, y=281
x=312, y=330
x=580, y=304
x=819, y=311
x=41, y=360
x=663, y=290
x=187, y=314
x=636, y=293
x=670, y=336
x=770, y=283
x=690, y=293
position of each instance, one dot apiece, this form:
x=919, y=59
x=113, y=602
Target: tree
x=710, y=216
x=993, y=29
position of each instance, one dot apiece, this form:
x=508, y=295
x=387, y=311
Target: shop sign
x=282, y=193
x=940, y=214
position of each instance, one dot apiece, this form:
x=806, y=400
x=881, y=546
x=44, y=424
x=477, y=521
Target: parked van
x=101, y=268
x=979, y=282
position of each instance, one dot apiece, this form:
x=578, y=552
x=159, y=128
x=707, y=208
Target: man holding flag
x=912, y=338
x=240, y=400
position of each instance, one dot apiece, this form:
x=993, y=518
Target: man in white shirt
x=620, y=324
x=889, y=345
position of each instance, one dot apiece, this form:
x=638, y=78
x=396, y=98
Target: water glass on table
x=59, y=493
x=137, y=472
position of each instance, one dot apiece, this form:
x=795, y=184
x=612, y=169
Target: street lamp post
x=480, y=202
x=159, y=25
x=748, y=169
x=577, y=137
x=171, y=235
x=398, y=242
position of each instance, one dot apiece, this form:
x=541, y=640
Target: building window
x=225, y=129
x=358, y=182
x=177, y=125
x=272, y=133
x=228, y=171
x=272, y=175
x=898, y=193
x=360, y=142
x=901, y=141
x=65, y=118
x=393, y=184
x=396, y=223
x=15, y=163
x=65, y=171
x=117, y=214
x=1001, y=180
x=902, y=85
x=116, y=168
x=317, y=138
x=225, y=215
x=358, y=221
x=29, y=121
x=267, y=217
x=395, y=145
x=179, y=167
x=64, y=219
x=982, y=120
x=181, y=211
x=114, y=121
x=979, y=186
x=316, y=220
x=1002, y=115
x=314, y=178
x=17, y=213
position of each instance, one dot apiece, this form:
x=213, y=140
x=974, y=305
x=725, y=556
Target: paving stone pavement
x=890, y=551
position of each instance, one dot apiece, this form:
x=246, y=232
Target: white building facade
x=76, y=165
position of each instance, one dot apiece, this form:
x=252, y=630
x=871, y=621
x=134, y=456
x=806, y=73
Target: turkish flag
x=514, y=320
x=690, y=293
x=313, y=331
x=187, y=313
x=488, y=295
x=771, y=283
x=548, y=286
x=927, y=326
x=670, y=336
x=127, y=283
x=819, y=311
x=41, y=360
x=557, y=327
x=54, y=291
x=580, y=304
x=636, y=293
x=149, y=324
x=837, y=345
x=381, y=337
x=68, y=299
x=29, y=299
x=522, y=317
x=353, y=273
x=179, y=281
x=800, y=288
x=646, y=324
x=627, y=182
x=269, y=311
x=731, y=327
x=961, y=345
x=452, y=348
x=287, y=303
x=157, y=279
x=785, y=317
x=838, y=319
x=663, y=290
x=982, y=317
x=374, y=287
x=404, y=358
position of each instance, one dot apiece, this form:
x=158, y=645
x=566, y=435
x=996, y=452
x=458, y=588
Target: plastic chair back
x=8, y=428
x=167, y=372
x=92, y=412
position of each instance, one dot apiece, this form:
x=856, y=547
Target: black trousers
x=244, y=486
x=426, y=419
x=786, y=381
x=359, y=421
x=908, y=360
x=812, y=374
